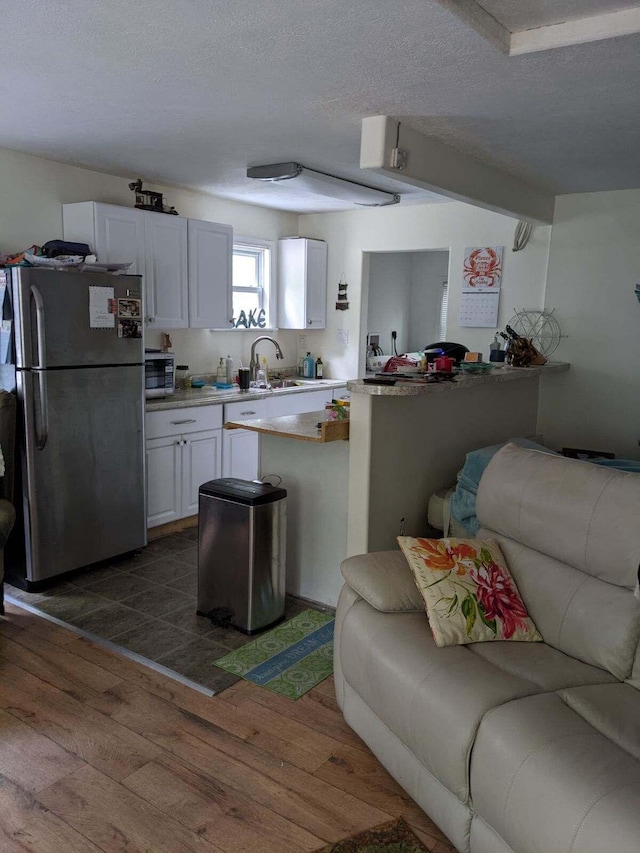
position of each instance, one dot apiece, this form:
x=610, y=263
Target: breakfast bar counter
x=416, y=388
x=310, y=426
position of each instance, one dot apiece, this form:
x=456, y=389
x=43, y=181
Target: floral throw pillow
x=468, y=590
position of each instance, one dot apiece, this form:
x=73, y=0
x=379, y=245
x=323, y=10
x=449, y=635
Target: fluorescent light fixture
x=320, y=183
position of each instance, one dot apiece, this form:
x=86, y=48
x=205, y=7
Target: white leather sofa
x=513, y=747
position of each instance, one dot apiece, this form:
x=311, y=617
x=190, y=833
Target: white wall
x=32, y=191
x=428, y=271
x=390, y=299
x=415, y=228
x=594, y=264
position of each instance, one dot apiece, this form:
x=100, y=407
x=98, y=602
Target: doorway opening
x=405, y=293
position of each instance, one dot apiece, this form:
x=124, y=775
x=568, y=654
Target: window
x=443, y=310
x=252, y=276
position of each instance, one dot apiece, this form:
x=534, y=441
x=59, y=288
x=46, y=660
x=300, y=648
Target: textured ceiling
x=192, y=91
x=526, y=14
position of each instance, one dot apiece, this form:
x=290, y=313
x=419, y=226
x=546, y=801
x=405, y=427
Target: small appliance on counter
x=159, y=373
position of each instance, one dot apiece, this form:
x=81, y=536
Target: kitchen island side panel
x=316, y=479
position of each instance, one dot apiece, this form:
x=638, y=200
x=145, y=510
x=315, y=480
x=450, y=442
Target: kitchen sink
x=280, y=384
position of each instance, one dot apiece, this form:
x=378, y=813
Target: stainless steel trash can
x=241, y=553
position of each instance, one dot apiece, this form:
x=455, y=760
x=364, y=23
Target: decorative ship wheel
x=541, y=327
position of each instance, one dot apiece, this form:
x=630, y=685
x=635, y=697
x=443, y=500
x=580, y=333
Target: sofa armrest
x=384, y=580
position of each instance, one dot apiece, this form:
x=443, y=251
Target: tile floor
x=147, y=603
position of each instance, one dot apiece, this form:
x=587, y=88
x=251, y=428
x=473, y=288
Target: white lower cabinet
x=240, y=447
x=184, y=450
x=164, y=493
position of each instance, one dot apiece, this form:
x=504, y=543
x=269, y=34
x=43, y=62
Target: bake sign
x=482, y=269
x=254, y=319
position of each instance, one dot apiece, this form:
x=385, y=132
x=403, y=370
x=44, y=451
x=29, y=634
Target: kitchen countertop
x=209, y=396
x=302, y=427
x=410, y=388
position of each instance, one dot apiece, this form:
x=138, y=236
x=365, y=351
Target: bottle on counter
x=229, y=366
x=265, y=367
x=319, y=368
x=221, y=375
x=308, y=366
x=182, y=377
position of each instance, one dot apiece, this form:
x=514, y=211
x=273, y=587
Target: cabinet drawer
x=181, y=421
x=245, y=411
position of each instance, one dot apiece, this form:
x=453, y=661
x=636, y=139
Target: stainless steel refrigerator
x=79, y=376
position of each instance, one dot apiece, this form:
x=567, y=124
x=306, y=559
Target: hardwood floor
x=100, y=753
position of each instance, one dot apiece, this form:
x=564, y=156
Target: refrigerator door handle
x=41, y=411
x=37, y=299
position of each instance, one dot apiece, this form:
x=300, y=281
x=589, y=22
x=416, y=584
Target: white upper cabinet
x=186, y=263
x=115, y=234
x=166, y=280
x=210, y=263
x=302, y=271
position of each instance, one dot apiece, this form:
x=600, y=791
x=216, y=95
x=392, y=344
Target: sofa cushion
x=576, y=512
x=594, y=621
x=432, y=699
x=612, y=709
x=468, y=591
x=546, y=780
x=545, y=666
x=383, y=579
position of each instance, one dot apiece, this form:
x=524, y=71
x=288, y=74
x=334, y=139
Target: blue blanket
x=463, y=500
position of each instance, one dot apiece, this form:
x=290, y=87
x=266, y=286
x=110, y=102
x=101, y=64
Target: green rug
x=290, y=659
x=392, y=837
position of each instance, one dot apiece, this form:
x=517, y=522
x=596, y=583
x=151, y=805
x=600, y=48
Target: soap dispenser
x=221, y=375
x=309, y=366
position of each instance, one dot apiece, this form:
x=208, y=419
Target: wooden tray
x=335, y=430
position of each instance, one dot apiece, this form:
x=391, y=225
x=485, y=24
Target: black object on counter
x=451, y=349
x=244, y=378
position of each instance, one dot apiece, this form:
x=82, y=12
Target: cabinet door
x=201, y=461
x=164, y=479
x=210, y=262
x=166, y=270
x=119, y=236
x=240, y=454
x=316, y=284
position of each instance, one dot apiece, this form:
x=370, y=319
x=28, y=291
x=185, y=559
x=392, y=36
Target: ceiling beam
x=481, y=21
x=595, y=28
x=441, y=169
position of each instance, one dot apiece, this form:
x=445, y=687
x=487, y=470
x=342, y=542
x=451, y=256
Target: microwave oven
x=159, y=374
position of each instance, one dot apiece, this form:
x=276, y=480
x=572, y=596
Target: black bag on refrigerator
x=55, y=248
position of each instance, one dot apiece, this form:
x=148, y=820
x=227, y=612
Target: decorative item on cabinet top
x=149, y=200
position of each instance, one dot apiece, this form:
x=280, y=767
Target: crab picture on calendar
x=482, y=269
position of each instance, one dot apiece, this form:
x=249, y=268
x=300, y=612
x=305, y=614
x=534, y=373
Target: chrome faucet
x=253, y=364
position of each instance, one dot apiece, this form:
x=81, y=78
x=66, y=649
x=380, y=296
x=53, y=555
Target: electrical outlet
x=302, y=342
x=342, y=336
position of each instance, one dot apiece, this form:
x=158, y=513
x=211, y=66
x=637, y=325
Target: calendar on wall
x=479, y=309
